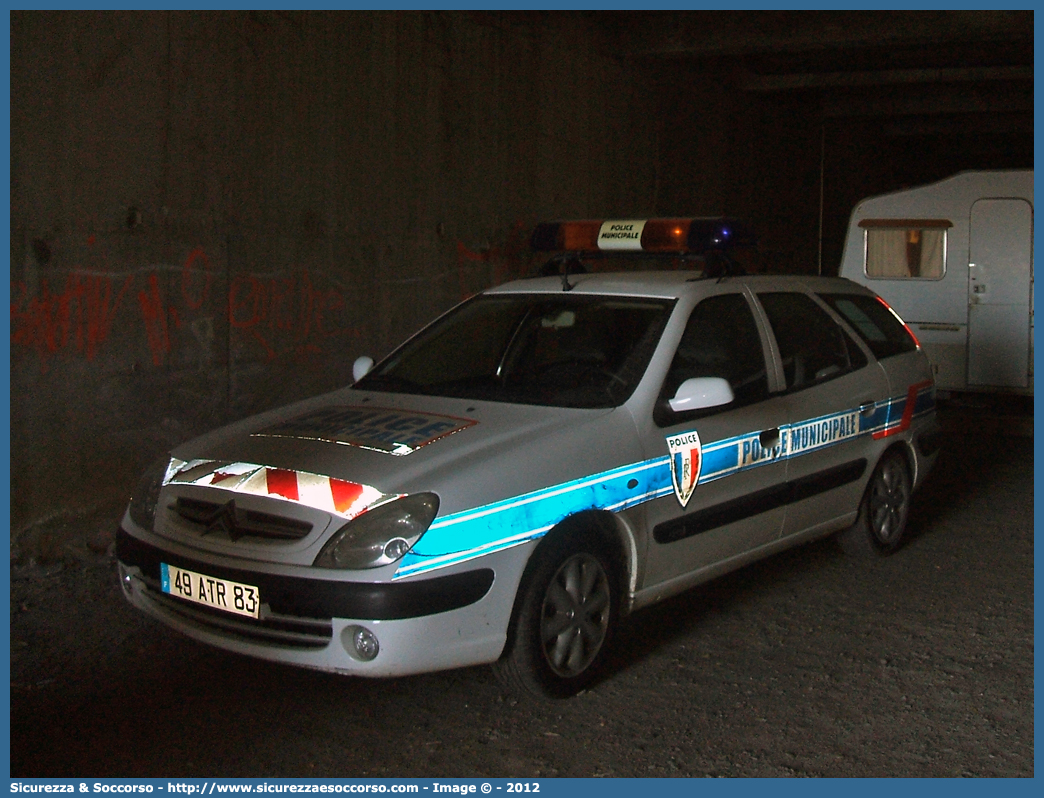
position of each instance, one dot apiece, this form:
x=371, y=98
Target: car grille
x=271, y=629
x=207, y=518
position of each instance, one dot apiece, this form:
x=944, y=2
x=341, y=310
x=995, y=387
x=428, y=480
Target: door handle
x=867, y=408
x=769, y=439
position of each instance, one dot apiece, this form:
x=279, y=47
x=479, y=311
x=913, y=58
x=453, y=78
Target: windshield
x=557, y=350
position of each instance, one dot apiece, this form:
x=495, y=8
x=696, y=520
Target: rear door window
x=812, y=346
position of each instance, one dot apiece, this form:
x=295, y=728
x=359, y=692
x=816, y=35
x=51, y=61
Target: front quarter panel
x=510, y=497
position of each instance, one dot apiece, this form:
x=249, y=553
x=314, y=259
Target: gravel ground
x=808, y=664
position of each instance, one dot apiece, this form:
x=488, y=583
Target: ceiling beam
x=884, y=77
x=969, y=125
x=711, y=33
x=929, y=101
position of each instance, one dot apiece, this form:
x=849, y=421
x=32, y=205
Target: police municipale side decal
x=473, y=533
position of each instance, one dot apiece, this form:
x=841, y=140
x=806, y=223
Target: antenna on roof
x=566, y=286
x=563, y=266
x=718, y=264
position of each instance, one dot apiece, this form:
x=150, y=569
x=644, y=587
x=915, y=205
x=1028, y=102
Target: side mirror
x=361, y=367
x=700, y=392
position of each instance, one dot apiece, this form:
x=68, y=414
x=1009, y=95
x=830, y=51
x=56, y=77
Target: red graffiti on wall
x=265, y=307
x=195, y=290
x=155, y=317
x=81, y=315
x=285, y=314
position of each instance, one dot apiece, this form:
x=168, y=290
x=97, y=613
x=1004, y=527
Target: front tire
x=567, y=612
x=883, y=512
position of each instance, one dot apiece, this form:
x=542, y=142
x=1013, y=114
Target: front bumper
x=447, y=621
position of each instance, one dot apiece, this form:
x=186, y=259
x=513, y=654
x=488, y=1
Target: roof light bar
x=682, y=236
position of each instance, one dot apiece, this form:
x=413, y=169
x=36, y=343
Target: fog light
x=366, y=645
x=125, y=580
x=360, y=643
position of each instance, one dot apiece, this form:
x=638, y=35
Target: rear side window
x=812, y=345
x=882, y=332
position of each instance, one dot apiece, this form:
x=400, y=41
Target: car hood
x=469, y=452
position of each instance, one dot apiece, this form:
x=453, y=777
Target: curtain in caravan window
x=908, y=248
x=932, y=253
x=886, y=253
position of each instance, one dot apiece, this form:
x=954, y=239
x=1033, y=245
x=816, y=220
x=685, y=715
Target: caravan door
x=1000, y=274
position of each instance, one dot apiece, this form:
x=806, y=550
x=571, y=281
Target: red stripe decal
x=908, y=411
x=344, y=494
x=282, y=483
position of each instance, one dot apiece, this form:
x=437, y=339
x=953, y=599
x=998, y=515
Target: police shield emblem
x=685, y=464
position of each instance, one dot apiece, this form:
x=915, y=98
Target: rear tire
x=566, y=614
x=879, y=529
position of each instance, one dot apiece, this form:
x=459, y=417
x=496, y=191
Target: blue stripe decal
x=506, y=523
x=493, y=527
x=925, y=402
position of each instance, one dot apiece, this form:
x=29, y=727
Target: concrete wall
x=729, y=152
x=213, y=214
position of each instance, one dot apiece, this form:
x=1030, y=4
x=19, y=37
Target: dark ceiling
x=917, y=72
x=834, y=106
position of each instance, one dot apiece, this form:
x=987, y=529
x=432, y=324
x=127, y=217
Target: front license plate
x=211, y=591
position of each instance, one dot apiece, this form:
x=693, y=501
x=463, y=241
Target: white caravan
x=955, y=260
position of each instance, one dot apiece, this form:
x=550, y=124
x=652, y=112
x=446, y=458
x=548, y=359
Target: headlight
x=143, y=502
x=381, y=535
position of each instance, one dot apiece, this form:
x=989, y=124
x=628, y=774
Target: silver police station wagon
x=544, y=458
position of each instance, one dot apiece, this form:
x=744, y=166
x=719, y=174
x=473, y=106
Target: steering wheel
x=592, y=363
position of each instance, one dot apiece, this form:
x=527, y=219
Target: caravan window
x=897, y=249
